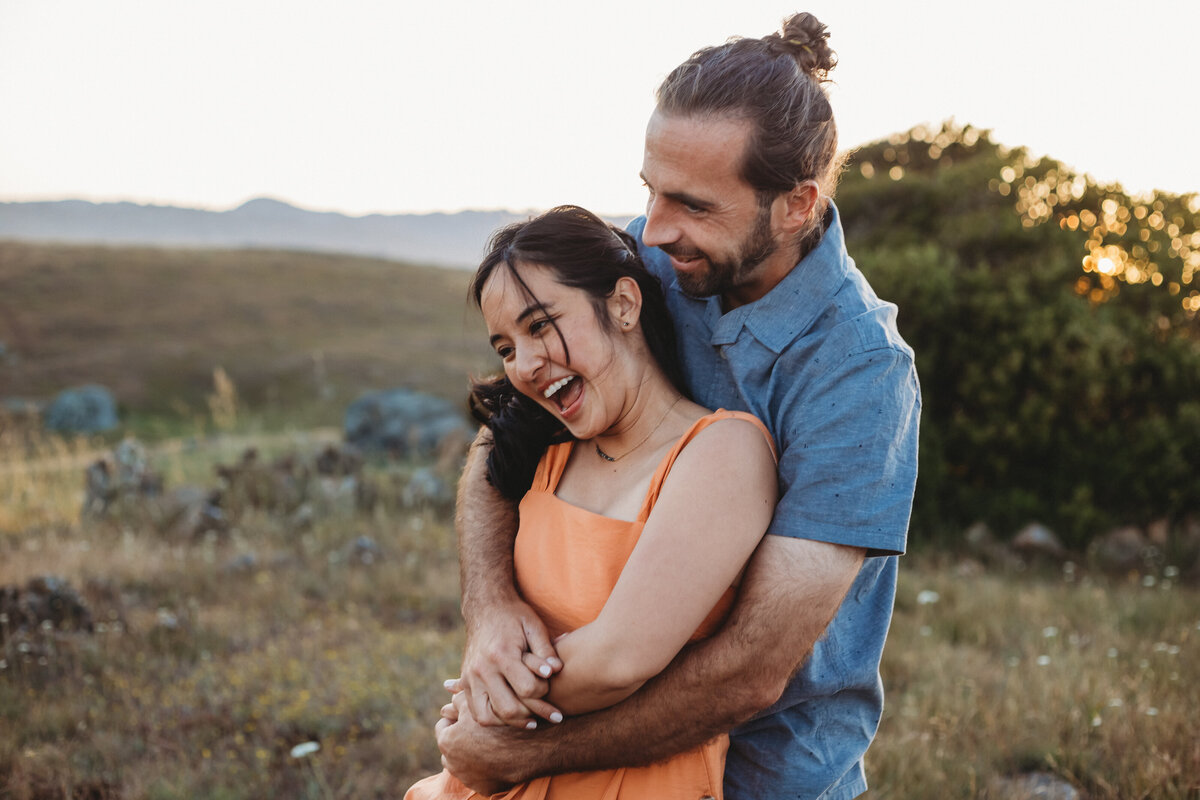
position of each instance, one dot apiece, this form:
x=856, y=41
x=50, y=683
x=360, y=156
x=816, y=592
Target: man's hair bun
x=805, y=38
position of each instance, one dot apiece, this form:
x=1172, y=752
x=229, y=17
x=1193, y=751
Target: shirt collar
x=795, y=303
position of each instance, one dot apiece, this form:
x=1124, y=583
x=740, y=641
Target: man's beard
x=724, y=276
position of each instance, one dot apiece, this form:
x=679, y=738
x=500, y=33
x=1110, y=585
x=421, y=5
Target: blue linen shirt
x=819, y=360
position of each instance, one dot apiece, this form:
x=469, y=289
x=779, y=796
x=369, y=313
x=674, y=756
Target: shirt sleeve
x=848, y=452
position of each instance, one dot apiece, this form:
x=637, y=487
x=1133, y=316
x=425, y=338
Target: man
x=773, y=318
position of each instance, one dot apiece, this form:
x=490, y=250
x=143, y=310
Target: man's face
x=704, y=215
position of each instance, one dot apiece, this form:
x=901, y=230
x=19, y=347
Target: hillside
x=455, y=240
x=290, y=328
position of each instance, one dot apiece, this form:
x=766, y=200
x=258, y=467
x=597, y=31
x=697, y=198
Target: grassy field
x=213, y=657
x=300, y=334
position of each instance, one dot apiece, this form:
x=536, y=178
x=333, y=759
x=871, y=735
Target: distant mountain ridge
x=453, y=240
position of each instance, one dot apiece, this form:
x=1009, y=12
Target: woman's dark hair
x=776, y=84
x=583, y=252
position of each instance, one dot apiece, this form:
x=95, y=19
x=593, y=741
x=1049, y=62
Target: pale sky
x=402, y=106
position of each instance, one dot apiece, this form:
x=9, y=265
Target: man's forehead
x=694, y=151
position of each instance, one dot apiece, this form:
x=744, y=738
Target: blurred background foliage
x=1056, y=328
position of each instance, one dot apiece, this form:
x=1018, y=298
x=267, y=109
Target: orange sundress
x=567, y=561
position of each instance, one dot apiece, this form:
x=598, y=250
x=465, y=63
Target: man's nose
x=660, y=227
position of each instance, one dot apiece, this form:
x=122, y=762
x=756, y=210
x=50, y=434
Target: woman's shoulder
x=732, y=431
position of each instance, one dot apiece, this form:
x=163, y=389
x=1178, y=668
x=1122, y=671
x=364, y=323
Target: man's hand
x=506, y=667
x=459, y=735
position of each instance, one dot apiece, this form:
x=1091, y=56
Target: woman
x=638, y=518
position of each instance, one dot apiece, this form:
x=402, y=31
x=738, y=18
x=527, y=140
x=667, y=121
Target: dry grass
x=1093, y=679
x=204, y=670
x=203, y=675
x=207, y=667
x=292, y=330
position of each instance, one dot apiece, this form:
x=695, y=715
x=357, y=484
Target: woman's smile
x=554, y=347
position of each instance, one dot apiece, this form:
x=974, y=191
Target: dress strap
x=551, y=467
x=664, y=467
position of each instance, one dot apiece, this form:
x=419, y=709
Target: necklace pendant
x=603, y=454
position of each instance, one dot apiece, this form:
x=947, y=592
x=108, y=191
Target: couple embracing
x=679, y=528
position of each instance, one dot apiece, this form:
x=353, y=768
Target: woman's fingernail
x=556, y=716
x=530, y=725
x=545, y=670
x=449, y=683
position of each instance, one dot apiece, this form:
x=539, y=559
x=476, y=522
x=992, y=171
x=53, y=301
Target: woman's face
x=586, y=394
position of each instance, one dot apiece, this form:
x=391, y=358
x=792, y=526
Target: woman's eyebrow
x=533, y=308
x=530, y=309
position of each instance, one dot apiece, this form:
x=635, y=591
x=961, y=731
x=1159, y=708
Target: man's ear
x=797, y=206
x=625, y=303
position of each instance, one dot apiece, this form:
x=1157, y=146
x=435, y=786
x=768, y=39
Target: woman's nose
x=529, y=361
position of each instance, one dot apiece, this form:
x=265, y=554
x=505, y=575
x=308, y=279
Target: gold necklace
x=614, y=459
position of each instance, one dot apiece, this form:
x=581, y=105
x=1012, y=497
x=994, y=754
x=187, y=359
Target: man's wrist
x=487, y=597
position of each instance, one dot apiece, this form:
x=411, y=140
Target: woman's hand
x=506, y=667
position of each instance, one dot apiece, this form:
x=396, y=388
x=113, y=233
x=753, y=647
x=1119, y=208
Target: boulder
x=188, y=512
x=279, y=486
x=426, y=489
x=87, y=409
x=1120, y=550
x=1031, y=786
x=121, y=480
x=336, y=461
x=403, y=422
x=363, y=550
x=1036, y=540
x=45, y=603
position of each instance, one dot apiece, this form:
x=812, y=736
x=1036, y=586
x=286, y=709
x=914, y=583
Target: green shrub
x=1055, y=327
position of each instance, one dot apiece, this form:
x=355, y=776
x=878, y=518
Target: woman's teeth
x=553, y=388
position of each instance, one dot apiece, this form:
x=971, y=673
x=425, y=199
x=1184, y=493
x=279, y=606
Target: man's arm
x=791, y=591
x=501, y=627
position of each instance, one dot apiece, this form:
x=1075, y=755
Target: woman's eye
x=504, y=352
x=538, y=326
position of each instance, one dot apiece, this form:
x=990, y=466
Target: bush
x=1055, y=328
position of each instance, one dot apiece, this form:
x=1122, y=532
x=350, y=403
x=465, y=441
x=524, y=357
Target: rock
x=1031, y=786
x=87, y=409
x=403, y=422
x=425, y=488
x=100, y=490
x=46, y=603
x=1036, y=540
x=363, y=550
x=983, y=546
x=1187, y=547
x=1120, y=550
x=968, y=568
x=336, y=495
x=243, y=564
x=302, y=518
x=20, y=408
x=336, y=461
x=1159, y=532
x=122, y=477
x=280, y=486
x=188, y=512
x=979, y=536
